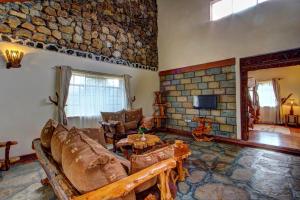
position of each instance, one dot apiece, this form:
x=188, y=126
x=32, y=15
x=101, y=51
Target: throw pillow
x=139, y=162
x=58, y=138
x=88, y=165
x=116, y=116
x=133, y=115
x=130, y=125
x=96, y=134
x=47, y=132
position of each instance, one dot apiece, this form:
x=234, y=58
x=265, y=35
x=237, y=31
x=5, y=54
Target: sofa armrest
x=109, y=126
x=126, y=185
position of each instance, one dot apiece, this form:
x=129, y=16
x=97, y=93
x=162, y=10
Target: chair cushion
x=134, y=115
x=139, y=162
x=58, y=138
x=88, y=165
x=96, y=134
x=130, y=125
x=116, y=116
x=47, y=132
x=119, y=127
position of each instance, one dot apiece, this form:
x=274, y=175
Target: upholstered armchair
x=118, y=125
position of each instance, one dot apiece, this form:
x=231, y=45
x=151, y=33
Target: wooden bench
x=65, y=191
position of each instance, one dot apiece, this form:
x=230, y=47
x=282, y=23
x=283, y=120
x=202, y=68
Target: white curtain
x=63, y=74
x=267, y=102
x=276, y=88
x=127, y=90
x=92, y=93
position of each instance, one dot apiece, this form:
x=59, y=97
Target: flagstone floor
x=217, y=172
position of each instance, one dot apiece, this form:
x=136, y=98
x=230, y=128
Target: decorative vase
x=143, y=138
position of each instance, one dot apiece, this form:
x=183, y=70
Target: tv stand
x=204, y=128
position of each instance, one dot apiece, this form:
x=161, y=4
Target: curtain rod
x=94, y=72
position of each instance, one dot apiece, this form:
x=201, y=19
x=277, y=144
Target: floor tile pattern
x=217, y=172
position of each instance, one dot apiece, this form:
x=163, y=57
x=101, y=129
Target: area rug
x=217, y=172
x=272, y=128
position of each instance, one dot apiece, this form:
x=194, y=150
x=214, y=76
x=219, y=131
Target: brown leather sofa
x=118, y=125
x=79, y=167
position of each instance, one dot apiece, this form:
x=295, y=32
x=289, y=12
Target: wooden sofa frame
x=65, y=191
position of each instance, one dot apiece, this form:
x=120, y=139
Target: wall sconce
x=14, y=58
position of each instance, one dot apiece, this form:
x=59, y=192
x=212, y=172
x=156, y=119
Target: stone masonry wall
x=180, y=89
x=119, y=30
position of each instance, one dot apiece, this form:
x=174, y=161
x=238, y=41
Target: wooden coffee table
x=137, y=144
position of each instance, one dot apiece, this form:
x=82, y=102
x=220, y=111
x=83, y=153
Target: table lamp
x=292, y=104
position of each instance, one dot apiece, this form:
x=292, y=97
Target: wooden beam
x=220, y=63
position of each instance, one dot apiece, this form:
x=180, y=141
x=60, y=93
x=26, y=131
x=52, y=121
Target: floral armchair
x=118, y=125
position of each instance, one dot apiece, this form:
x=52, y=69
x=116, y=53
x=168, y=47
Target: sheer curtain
x=90, y=94
x=267, y=102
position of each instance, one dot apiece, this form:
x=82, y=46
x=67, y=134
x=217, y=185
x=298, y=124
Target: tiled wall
x=180, y=89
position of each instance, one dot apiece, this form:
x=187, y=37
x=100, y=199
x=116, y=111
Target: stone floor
x=217, y=172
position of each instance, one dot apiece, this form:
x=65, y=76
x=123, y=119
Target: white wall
x=188, y=37
x=24, y=92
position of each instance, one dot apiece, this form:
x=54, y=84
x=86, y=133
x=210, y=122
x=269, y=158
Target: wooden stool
x=5, y=164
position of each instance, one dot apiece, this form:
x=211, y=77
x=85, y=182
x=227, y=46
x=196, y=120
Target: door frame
x=272, y=60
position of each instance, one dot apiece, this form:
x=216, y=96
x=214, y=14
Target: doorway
x=267, y=96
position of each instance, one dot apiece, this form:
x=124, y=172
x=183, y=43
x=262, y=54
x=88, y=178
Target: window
x=266, y=94
x=90, y=94
x=223, y=8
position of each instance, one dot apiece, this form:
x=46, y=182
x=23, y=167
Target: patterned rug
x=272, y=128
x=217, y=172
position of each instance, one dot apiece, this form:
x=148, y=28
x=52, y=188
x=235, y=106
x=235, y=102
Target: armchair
x=118, y=125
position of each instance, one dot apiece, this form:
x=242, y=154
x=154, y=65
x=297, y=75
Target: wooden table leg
x=182, y=172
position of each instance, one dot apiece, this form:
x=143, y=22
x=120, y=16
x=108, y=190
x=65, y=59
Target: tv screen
x=205, y=102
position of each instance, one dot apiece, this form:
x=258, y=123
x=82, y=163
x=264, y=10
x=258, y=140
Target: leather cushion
x=47, y=132
x=139, y=162
x=134, y=115
x=88, y=165
x=58, y=138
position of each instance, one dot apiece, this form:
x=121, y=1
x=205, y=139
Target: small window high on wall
x=224, y=8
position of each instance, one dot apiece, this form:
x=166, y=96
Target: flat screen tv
x=205, y=101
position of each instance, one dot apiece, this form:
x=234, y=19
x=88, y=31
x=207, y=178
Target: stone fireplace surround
x=181, y=84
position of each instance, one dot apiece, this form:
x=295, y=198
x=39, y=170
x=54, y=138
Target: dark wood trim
x=220, y=63
x=271, y=60
x=27, y=158
x=241, y=143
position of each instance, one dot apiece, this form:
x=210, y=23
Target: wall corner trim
x=219, y=63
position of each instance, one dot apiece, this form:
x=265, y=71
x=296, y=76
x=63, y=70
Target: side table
x=291, y=120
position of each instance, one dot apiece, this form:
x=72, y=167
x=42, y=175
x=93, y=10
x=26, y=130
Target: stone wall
x=181, y=87
x=121, y=31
